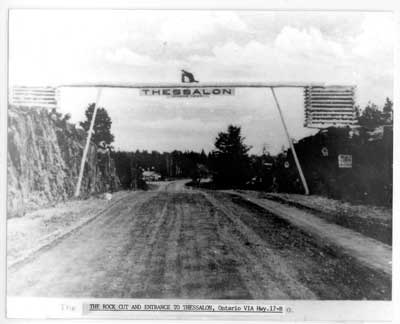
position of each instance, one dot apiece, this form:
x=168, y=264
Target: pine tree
x=102, y=126
x=387, y=114
x=371, y=116
x=231, y=159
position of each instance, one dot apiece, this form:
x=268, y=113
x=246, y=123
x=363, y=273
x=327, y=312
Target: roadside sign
x=345, y=161
x=329, y=106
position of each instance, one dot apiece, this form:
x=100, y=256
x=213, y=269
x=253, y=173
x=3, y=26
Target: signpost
x=85, y=150
x=296, y=160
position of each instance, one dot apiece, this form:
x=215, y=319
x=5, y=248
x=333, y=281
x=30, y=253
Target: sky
x=52, y=47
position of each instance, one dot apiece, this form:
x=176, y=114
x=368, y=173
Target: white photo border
x=369, y=311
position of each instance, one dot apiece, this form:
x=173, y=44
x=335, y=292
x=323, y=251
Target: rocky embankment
x=44, y=154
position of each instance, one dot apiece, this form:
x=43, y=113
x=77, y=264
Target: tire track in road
x=251, y=278
x=82, y=264
x=133, y=236
x=205, y=272
x=172, y=283
x=267, y=275
x=179, y=262
x=143, y=229
x=177, y=243
x=324, y=271
x=147, y=281
x=160, y=245
x=183, y=258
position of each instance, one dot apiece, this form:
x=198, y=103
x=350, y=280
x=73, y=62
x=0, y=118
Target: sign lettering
x=187, y=92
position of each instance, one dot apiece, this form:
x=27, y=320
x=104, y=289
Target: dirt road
x=185, y=243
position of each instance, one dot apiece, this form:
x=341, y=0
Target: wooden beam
x=86, y=149
x=296, y=160
x=158, y=85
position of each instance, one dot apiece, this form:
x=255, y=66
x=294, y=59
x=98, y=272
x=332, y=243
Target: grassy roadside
x=40, y=227
x=371, y=221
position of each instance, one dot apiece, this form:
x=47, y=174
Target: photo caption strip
x=90, y=308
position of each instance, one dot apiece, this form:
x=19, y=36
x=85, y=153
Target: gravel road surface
x=185, y=243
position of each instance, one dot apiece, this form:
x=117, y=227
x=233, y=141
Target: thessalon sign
x=187, y=92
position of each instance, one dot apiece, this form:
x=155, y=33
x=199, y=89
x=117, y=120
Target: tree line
x=169, y=165
x=229, y=164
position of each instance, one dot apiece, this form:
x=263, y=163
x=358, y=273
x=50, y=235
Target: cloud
x=291, y=43
x=307, y=43
x=308, y=54
x=189, y=26
x=58, y=46
x=376, y=39
x=126, y=56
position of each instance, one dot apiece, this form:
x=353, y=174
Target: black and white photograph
x=227, y=159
